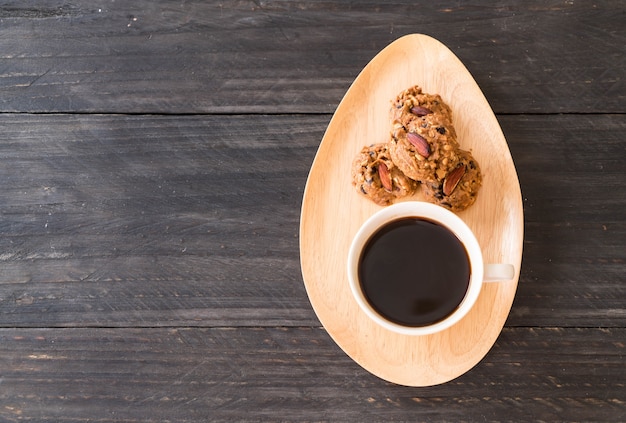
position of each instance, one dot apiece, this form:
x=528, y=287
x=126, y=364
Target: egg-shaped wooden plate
x=332, y=212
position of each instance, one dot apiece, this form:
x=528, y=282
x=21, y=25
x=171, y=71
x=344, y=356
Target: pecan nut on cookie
x=413, y=105
x=459, y=189
x=375, y=176
x=423, y=154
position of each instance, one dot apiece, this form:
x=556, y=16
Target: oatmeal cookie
x=375, y=176
x=458, y=190
x=427, y=109
x=423, y=150
x=424, y=154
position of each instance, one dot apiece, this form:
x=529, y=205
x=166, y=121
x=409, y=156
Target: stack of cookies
x=422, y=150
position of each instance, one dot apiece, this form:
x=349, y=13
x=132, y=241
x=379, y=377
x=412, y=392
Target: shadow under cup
x=415, y=268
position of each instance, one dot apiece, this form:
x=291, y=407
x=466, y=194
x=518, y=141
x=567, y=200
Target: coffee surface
x=414, y=272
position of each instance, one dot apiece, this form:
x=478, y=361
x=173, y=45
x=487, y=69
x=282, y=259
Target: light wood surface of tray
x=332, y=212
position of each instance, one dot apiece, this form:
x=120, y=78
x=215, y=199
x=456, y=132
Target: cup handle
x=498, y=272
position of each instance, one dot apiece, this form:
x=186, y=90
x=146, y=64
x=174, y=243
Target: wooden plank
x=297, y=374
x=286, y=56
x=167, y=220
x=120, y=220
x=575, y=237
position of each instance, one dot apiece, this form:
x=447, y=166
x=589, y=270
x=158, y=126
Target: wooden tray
x=332, y=212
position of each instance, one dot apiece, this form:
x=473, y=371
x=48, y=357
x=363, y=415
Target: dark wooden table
x=153, y=156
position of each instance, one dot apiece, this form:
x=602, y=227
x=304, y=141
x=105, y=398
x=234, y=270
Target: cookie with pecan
x=423, y=153
x=459, y=188
x=414, y=107
x=376, y=176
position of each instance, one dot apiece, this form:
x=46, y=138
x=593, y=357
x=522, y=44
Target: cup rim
x=440, y=215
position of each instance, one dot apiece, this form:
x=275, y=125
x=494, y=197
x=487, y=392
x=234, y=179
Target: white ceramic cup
x=480, y=272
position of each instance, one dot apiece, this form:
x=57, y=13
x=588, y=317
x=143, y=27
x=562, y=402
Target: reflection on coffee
x=414, y=272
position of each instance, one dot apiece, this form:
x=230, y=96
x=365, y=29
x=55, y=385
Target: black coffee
x=414, y=272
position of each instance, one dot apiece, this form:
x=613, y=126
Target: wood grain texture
x=297, y=56
x=161, y=221
x=575, y=229
x=122, y=220
x=148, y=225
x=333, y=212
x=297, y=374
